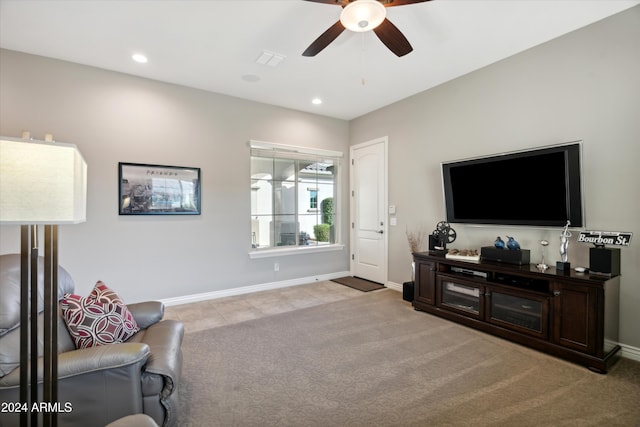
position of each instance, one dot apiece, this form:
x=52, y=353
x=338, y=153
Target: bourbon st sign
x=601, y=238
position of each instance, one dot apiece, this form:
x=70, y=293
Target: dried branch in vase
x=416, y=239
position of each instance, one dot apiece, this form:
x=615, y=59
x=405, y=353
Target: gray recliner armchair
x=96, y=385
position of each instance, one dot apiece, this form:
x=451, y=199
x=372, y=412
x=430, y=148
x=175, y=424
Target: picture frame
x=145, y=189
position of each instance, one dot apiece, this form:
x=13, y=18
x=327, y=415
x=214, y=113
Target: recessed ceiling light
x=316, y=101
x=140, y=58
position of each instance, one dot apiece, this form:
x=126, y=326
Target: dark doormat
x=358, y=283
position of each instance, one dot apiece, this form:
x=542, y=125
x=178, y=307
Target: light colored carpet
x=373, y=360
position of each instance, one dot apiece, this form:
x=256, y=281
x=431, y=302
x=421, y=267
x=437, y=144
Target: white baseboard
x=394, y=286
x=629, y=352
x=249, y=289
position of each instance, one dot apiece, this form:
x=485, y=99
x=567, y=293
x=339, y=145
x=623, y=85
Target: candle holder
x=543, y=266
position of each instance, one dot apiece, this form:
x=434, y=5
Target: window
x=313, y=199
x=293, y=196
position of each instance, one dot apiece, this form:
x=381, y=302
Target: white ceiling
x=214, y=44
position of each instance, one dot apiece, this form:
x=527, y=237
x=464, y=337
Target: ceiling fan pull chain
x=362, y=58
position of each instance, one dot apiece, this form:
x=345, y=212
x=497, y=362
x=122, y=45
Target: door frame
x=384, y=140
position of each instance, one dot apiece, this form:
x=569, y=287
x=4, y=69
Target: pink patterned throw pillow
x=99, y=319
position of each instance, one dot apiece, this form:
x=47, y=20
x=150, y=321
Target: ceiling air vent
x=270, y=59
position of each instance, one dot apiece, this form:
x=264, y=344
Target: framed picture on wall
x=158, y=190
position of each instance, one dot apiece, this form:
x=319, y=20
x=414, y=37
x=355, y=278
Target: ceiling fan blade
x=338, y=2
x=391, y=36
x=389, y=3
x=324, y=40
x=386, y=3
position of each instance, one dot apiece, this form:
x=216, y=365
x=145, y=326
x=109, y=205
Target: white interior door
x=368, y=210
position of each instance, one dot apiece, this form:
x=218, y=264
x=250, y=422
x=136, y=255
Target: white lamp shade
x=41, y=183
x=363, y=15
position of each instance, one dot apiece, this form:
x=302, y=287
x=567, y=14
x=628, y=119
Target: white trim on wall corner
x=394, y=286
x=629, y=352
x=249, y=289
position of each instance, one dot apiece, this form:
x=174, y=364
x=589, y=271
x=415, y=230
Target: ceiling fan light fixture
x=363, y=15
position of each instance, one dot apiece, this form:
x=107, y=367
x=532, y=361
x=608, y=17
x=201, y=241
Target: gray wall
x=583, y=86
x=115, y=118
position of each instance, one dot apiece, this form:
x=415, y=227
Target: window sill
x=295, y=250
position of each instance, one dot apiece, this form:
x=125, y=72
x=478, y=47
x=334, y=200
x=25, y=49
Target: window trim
x=284, y=148
x=293, y=250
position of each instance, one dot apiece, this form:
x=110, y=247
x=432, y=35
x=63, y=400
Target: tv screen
x=538, y=187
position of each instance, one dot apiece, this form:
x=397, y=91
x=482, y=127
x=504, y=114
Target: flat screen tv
x=539, y=187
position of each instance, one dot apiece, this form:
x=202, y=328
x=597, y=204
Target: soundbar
x=519, y=257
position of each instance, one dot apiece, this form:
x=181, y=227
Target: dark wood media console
x=570, y=315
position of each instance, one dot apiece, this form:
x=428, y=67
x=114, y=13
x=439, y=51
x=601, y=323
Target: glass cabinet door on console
x=514, y=310
x=461, y=295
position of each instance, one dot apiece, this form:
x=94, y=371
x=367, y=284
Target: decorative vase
x=512, y=244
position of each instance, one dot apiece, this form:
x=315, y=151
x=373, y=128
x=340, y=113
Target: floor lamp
x=42, y=183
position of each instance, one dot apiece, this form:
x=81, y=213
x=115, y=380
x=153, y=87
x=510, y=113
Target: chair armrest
x=102, y=357
x=163, y=370
x=147, y=313
x=83, y=361
x=165, y=340
x=100, y=384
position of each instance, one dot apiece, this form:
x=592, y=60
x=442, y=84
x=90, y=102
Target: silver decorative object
x=564, y=242
x=543, y=266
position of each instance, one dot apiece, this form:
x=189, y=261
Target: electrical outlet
x=276, y=266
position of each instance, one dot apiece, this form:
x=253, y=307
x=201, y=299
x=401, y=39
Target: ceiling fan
x=361, y=16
